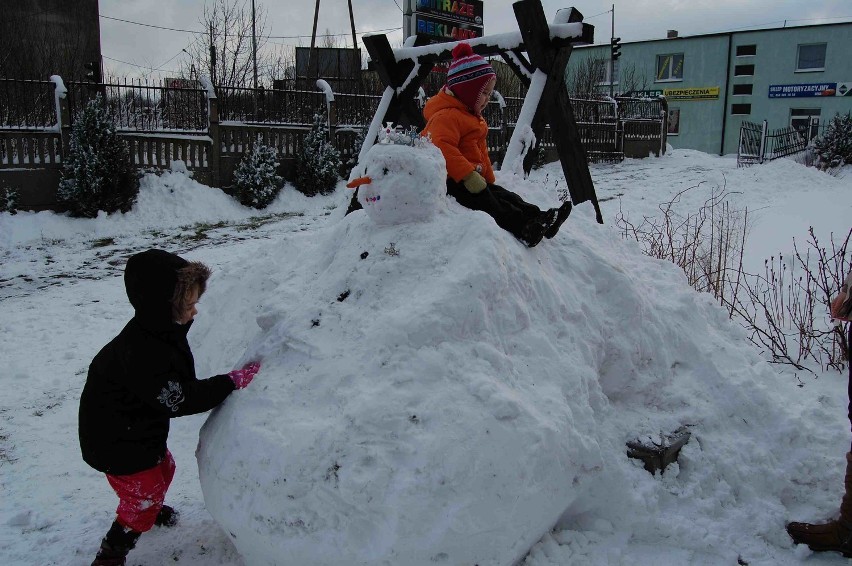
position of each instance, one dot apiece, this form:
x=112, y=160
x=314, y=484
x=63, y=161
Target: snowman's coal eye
x=385, y=171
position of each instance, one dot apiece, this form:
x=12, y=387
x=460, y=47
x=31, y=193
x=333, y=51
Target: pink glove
x=242, y=377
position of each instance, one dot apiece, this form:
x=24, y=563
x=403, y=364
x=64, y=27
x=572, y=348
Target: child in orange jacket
x=454, y=121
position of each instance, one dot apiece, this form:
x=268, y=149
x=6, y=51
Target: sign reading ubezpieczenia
x=802, y=90
x=449, y=20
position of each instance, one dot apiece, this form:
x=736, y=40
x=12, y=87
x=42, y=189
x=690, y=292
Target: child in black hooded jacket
x=139, y=381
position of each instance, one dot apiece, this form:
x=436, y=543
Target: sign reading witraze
x=448, y=20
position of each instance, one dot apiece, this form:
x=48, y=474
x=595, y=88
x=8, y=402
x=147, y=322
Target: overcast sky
x=149, y=47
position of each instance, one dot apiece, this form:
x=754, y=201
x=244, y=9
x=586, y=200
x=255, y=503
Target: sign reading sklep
x=802, y=90
x=448, y=20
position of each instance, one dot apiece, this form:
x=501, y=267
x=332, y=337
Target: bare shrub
x=707, y=244
x=784, y=309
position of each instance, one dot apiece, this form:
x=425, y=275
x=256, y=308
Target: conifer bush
x=9, y=200
x=834, y=147
x=97, y=173
x=256, y=180
x=319, y=162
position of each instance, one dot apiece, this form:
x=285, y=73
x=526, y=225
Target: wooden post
x=63, y=118
x=331, y=109
x=553, y=59
x=215, y=157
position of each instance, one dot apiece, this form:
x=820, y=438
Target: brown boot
x=834, y=535
x=115, y=546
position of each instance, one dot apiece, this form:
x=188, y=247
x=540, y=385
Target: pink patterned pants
x=141, y=495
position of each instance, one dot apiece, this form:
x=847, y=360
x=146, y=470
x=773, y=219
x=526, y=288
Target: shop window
x=746, y=50
x=740, y=108
x=806, y=121
x=670, y=67
x=607, y=72
x=674, y=121
x=811, y=57
x=743, y=90
x=744, y=71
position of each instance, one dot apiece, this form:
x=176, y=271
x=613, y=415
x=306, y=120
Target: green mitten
x=474, y=182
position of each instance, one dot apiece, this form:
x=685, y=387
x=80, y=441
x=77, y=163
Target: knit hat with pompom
x=468, y=74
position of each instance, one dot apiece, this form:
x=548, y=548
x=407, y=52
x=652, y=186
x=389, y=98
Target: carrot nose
x=354, y=183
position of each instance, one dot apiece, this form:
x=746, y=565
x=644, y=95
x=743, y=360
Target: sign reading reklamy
x=448, y=20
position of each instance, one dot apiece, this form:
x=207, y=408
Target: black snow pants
x=509, y=210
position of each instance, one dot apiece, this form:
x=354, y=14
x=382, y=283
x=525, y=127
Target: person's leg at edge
x=835, y=535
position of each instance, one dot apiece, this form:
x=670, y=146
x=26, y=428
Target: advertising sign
x=802, y=90
x=440, y=30
x=702, y=93
x=448, y=20
x=451, y=10
x=844, y=89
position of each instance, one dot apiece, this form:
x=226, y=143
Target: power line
x=195, y=32
x=141, y=66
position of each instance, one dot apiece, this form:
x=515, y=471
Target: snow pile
x=167, y=200
x=437, y=393
x=407, y=182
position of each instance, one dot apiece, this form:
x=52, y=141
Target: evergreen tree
x=97, y=173
x=834, y=147
x=319, y=162
x=9, y=200
x=255, y=178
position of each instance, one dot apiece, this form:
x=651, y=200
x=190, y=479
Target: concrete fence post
x=215, y=133
x=63, y=117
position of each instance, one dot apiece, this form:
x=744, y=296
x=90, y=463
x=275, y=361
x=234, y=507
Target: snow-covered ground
x=61, y=299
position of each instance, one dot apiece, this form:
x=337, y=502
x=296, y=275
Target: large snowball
x=409, y=183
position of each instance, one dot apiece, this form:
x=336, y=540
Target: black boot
x=534, y=230
x=167, y=517
x=561, y=215
x=115, y=546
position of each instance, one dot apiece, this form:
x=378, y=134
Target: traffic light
x=615, y=45
x=94, y=71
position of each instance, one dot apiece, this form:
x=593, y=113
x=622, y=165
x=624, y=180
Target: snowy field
x=768, y=443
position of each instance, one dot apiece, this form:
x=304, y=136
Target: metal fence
x=180, y=121
x=144, y=107
x=27, y=104
x=758, y=145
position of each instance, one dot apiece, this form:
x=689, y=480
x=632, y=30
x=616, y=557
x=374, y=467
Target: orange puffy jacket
x=459, y=134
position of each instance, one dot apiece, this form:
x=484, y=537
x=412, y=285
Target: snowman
x=402, y=179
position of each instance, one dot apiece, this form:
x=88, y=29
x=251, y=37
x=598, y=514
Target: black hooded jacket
x=144, y=376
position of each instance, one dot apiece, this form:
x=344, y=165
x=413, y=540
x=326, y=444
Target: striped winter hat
x=468, y=74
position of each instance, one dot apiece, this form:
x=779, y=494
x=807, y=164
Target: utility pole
x=313, y=39
x=611, y=60
x=254, y=55
x=352, y=22
x=212, y=58
x=254, y=43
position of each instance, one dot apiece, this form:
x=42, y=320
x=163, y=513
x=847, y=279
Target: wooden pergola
x=548, y=48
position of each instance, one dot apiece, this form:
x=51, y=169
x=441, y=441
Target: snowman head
x=400, y=183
